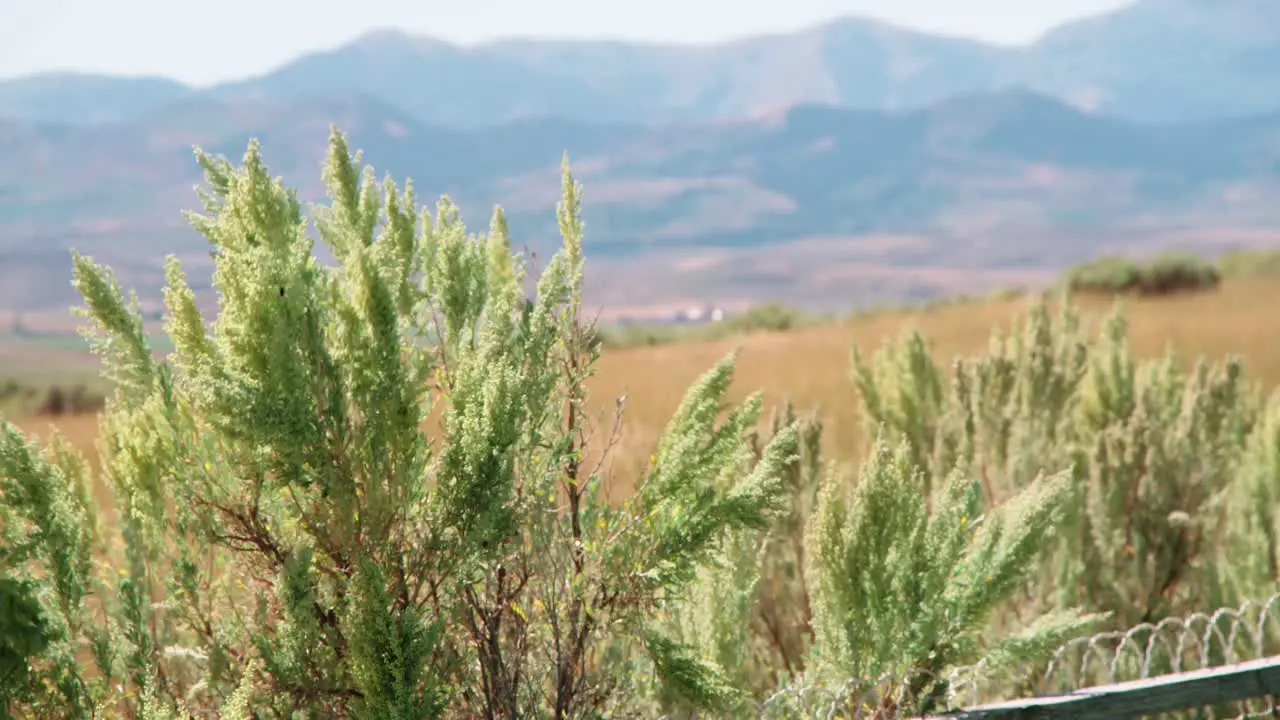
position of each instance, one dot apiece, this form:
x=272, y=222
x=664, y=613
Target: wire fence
x=1201, y=641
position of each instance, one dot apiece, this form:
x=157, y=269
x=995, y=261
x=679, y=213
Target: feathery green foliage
x=296, y=544
x=1153, y=449
x=903, y=589
x=1164, y=274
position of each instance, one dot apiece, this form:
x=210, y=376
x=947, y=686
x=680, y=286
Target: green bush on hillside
x=766, y=317
x=1250, y=263
x=49, y=399
x=1165, y=274
x=1108, y=274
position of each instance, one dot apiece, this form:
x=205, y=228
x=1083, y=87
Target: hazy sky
x=204, y=42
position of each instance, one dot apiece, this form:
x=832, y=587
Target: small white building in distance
x=699, y=314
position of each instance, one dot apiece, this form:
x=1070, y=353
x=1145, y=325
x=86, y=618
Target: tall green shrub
x=1160, y=448
x=906, y=589
x=751, y=611
x=295, y=544
x=1153, y=449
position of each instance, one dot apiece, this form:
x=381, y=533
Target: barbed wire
x=1199, y=641
x=1174, y=645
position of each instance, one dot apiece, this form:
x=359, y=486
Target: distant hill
x=1155, y=60
x=899, y=204
x=842, y=163
x=83, y=99
x=1163, y=60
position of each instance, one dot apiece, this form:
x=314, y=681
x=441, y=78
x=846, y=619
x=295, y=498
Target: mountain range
x=846, y=162
x=1151, y=61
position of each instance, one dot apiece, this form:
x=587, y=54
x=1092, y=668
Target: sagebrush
x=1164, y=274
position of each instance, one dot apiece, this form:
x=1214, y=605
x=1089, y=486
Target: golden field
x=810, y=366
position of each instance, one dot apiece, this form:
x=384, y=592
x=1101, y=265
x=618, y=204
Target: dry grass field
x=811, y=366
